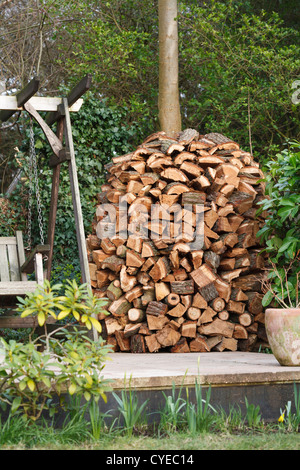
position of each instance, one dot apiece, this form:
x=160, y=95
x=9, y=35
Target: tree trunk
x=168, y=101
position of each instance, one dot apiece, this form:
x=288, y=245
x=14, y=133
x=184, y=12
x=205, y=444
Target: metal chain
x=28, y=247
x=33, y=166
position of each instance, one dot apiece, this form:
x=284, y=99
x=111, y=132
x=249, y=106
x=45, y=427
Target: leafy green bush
x=72, y=363
x=238, y=62
x=281, y=232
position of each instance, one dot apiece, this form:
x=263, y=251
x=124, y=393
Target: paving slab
x=162, y=370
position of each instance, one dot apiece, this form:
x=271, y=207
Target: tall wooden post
x=81, y=240
x=54, y=201
x=168, y=100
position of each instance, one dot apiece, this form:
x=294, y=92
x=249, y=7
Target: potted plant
x=281, y=235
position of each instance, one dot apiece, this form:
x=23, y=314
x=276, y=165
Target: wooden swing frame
x=58, y=111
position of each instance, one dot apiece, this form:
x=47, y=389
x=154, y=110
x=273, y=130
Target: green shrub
x=281, y=232
x=69, y=364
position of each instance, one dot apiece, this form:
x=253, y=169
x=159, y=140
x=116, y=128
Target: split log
x=136, y=315
x=156, y=322
x=181, y=347
x=137, y=344
x=152, y=344
x=168, y=337
x=156, y=308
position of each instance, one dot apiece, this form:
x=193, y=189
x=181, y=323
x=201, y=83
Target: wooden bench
x=14, y=268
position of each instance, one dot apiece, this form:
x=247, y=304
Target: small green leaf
x=31, y=385
x=15, y=404
x=72, y=389
x=41, y=318
x=267, y=298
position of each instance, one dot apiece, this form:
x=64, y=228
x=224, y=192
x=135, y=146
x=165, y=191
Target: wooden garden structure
x=13, y=265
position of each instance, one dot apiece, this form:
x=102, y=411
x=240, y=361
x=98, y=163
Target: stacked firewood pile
x=164, y=292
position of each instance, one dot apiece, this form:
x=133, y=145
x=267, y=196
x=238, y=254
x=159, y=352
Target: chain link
x=28, y=247
x=33, y=174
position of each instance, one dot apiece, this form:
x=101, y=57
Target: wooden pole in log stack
x=168, y=100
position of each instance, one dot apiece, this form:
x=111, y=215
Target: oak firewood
x=127, y=281
x=247, y=344
x=174, y=174
x=173, y=299
x=195, y=197
x=209, y=292
x=144, y=330
x=161, y=269
x=156, y=322
x=183, y=156
x=148, y=296
x=251, y=282
x=119, y=307
x=155, y=278
x=199, y=301
x=134, y=293
x=218, y=304
x=226, y=343
x=112, y=343
x=112, y=325
x=134, y=259
x=193, y=313
x=199, y=344
x=186, y=300
x=182, y=287
x=245, y=319
x=217, y=327
x=238, y=295
x=156, y=308
x=135, y=243
x=177, y=311
x=102, y=277
x=240, y=332
x=123, y=343
x=136, y=315
x=167, y=336
x=191, y=169
x=162, y=290
x=207, y=316
x=236, y=307
x=137, y=344
x=197, y=257
x=152, y=344
x=203, y=275
x=181, y=346
x=212, y=341
x=131, y=329
x=212, y=260
x=254, y=302
x=113, y=291
x=149, y=249
x=114, y=263
x=223, y=315
x=189, y=329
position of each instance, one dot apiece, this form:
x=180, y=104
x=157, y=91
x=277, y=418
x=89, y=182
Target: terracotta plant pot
x=283, y=332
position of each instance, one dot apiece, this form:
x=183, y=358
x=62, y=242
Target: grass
x=86, y=429
x=51, y=440
x=183, y=425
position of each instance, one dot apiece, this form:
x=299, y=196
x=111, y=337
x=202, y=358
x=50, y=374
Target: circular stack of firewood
x=165, y=292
